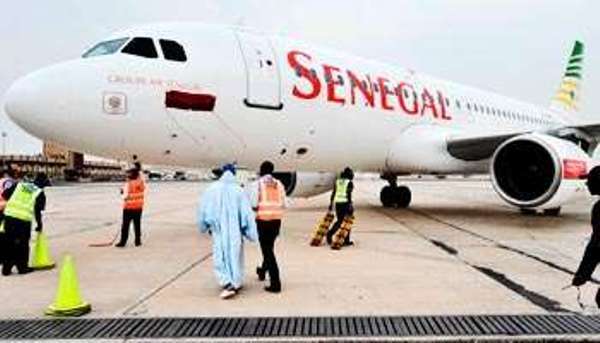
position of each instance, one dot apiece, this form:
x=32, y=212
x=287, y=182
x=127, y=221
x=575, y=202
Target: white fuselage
x=310, y=109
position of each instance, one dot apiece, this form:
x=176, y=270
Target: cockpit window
x=106, y=48
x=172, y=50
x=141, y=46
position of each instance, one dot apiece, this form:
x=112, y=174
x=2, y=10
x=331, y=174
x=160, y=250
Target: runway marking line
x=129, y=310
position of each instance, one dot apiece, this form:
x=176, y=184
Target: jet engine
x=536, y=171
x=306, y=184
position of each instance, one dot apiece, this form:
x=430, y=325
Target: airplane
x=200, y=95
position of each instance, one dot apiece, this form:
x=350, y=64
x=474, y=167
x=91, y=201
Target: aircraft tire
x=387, y=196
x=403, y=197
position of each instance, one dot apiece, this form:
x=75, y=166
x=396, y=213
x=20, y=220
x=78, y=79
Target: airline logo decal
x=570, y=87
x=375, y=91
x=115, y=103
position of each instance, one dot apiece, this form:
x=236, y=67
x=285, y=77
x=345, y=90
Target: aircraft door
x=263, y=84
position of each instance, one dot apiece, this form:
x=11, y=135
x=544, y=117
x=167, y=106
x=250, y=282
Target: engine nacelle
x=306, y=184
x=538, y=171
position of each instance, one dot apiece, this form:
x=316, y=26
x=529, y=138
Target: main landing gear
x=394, y=195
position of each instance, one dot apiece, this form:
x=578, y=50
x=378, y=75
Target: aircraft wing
x=476, y=148
x=591, y=130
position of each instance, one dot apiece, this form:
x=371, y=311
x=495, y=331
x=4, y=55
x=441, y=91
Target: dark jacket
x=591, y=256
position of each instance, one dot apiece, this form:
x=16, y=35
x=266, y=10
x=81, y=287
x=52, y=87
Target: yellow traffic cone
x=68, y=301
x=41, y=258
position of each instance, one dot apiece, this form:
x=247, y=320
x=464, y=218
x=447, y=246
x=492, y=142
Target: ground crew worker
x=133, y=205
x=591, y=257
x=268, y=200
x=341, y=197
x=25, y=201
x=7, y=179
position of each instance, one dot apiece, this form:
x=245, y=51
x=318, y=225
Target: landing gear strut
x=394, y=195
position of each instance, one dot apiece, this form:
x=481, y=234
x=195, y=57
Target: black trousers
x=16, y=241
x=2, y=241
x=129, y=216
x=267, y=234
x=341, y=211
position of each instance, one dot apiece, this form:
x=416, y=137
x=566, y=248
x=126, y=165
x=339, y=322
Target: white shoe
x=228, y=293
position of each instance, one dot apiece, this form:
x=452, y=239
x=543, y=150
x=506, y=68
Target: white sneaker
x=228, y=293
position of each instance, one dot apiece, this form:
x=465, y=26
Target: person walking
x=268, y=200
x=341, y=197
x=591, y=256
x=225, y=213
x=26, y=201
x=133, y=206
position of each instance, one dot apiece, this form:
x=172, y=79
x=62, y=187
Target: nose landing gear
x=394, y=195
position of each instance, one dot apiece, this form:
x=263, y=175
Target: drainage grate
x=409, y=326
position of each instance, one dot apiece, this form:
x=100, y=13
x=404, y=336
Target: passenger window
x=172, y=50
x=141, y=46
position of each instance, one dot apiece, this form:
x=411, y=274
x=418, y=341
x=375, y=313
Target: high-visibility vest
x=4, y=184
x=135, y=194
x=341, y=191
x=21, y=204
x=271, y=195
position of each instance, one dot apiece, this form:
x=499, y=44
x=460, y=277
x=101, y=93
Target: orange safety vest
x=135, y=194
x=271, y=195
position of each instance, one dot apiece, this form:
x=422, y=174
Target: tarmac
x=458, y=250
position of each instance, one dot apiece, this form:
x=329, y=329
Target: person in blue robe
x=225, y=213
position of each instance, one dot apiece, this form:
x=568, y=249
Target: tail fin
x=568, y=95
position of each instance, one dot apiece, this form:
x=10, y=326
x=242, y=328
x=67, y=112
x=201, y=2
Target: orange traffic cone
x=68, y=301
x=41, y=258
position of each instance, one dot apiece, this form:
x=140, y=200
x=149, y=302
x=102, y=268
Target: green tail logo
x=567, y=97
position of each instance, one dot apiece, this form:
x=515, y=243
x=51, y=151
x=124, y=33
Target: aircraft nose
x=34, y=101
x=19, y=99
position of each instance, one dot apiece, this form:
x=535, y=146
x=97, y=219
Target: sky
x=514, y=47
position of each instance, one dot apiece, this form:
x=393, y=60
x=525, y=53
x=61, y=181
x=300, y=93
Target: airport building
x=61, y=163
